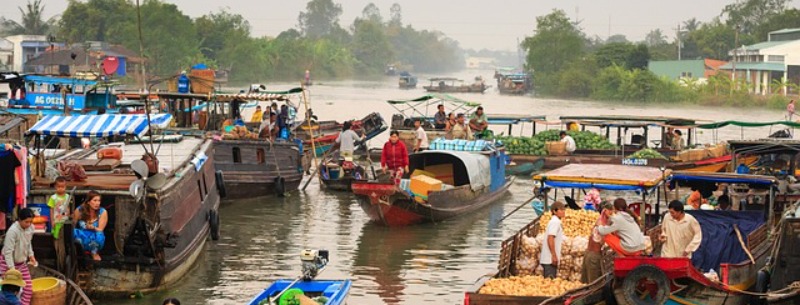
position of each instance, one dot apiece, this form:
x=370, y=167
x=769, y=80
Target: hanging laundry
x=8, y=166
x=22, y=172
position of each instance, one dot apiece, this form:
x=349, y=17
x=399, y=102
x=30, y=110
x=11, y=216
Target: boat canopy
x=507, y=119
x=50, y=80
x=98, y=125
x=420, y=107
x=721, y=124
x=752, y=180
x=765, y=146
x=473, y=166
x=604, y=177
x=445, y=79
x=628, y=120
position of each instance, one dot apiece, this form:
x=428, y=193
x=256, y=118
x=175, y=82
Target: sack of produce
x=556, y=148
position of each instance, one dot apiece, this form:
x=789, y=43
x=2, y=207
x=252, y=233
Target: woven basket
x=54, y=294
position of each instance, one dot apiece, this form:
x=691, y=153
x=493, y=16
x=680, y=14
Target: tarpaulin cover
x=611, y=174
x=720, y=244
x=600, y=186
x=721, y=124
x=724, y=178
x=98, y=125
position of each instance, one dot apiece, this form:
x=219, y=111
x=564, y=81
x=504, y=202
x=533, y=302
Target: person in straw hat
x=11, y=284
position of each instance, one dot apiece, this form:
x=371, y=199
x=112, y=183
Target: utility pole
x=735, y=55
x=141, y=47
x=678, y=35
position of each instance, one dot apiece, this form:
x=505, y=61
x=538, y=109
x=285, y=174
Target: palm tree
x=32, y=21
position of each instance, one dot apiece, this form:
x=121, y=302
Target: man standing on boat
x=554, y=238
x=440, y=118
x=680, y=232
x=478, y=123
x=461, y=130
x=570, y=146
x=420, y=137
x=347, y=141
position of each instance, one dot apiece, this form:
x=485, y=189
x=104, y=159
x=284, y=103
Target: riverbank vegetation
x=569, y=64
x=174, y=41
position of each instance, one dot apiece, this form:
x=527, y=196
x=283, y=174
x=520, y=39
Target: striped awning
x=98, y=125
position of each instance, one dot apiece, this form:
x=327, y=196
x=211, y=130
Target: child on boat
x=59, y=206
x=91, y=219
x=622, y=234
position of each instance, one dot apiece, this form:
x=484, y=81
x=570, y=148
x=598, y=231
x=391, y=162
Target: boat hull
x=384, y=203
x=344, y=184
x=250, y=168
x=336, y=291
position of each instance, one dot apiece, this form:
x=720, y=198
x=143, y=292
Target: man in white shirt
x=680, y=232
x=421, y=142
x=570, y=142
x=553, y=240
x=347, y=141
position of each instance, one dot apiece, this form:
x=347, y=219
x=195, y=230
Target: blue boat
x=334, y=291
x=42, y=95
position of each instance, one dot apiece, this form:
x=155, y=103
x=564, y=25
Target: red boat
x=478, y=179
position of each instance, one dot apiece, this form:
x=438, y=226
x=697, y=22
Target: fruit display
x=536, y=145
x=647, y=153
x=576, y=222
x=529, y=286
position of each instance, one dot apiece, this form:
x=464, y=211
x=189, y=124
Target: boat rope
x=793, y=287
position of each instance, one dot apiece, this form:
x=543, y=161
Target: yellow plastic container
x=422, y=185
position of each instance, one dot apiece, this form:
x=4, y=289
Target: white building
x=27, y=47
x=776, y=59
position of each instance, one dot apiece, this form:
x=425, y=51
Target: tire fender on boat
x=762, y=286
x=213, y=223
x=631, y=282
x=280, y=187
x=220, y=184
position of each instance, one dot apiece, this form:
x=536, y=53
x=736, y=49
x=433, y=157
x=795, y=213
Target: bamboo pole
x=310, y=128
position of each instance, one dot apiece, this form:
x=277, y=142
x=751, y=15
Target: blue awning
x=98, y=125
x=724, y=178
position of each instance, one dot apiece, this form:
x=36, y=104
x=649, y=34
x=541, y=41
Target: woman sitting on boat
x=623, y=234
x=91, y=219
x=394, y=157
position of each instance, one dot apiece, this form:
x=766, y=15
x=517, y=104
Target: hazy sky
x=475, y=24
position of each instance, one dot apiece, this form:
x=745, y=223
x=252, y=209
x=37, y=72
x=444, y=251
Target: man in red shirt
x=394, y=156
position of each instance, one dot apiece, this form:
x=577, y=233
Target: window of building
x=237, y=155
x=775, y=58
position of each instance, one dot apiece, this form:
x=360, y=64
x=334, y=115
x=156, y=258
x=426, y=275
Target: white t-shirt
x=421, y=135
x=570, y=143
x=553, y=228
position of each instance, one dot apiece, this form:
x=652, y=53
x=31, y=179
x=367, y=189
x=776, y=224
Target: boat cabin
x=47, y=95
x=640, y=136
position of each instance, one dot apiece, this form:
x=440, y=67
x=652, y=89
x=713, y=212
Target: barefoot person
x=18, y=252
x=91, y=219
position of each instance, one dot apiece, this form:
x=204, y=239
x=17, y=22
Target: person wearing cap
x=680, y=232
x=478, y=121
x=551, y=251
x=461, y=130
x=347, y=141
x=11, y=284
x=18, y=251
x=622, y=234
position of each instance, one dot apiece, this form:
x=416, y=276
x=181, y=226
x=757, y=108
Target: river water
x=424, y=264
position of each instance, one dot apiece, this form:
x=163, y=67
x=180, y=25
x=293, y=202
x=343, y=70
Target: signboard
x=636, y=162
x=74, y=101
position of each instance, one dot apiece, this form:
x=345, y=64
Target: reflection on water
x=426, y=264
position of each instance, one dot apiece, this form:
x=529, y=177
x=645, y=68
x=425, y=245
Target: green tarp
x=721, y=124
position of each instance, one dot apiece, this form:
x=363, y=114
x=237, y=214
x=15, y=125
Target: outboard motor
x=397, y=121
x=313, y=261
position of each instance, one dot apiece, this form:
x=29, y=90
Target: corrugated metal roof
x=674, y=69
x=763, y=45
x=784, y=31
x=761, y=66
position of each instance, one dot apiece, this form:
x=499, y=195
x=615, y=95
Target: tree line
x=173, y=41
x=569, y=63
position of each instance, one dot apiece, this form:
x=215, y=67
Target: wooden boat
x=629, y=179
x=74, y=294
x=513, y=83
x=339, y=176
x=151, y=243
x=454, y=85
x=476, y=181
x=737, y=260
x=43, y=95
x=779, y=277
x=334, y=291
x=407, y=81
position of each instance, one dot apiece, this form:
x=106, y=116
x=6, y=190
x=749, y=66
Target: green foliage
x=320, y=18
x=787, y=19
x=97, y=20
x=622, y=54
x=556, y=43
x=576, y=80
x=371, y=46
x=749, y=14
x=32, y=22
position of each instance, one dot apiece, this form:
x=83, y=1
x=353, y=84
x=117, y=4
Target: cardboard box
x=202, y=81
x=443, y=172
x=421, y=185
x=556, y=148
x=418, y=172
